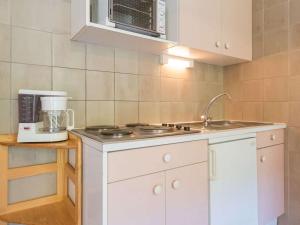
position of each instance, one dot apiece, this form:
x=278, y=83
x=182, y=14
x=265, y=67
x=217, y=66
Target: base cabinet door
x=270, y=183
x=137, y=201
x=187, y=195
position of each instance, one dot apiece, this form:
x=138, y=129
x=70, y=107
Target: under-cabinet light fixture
x=176, y=62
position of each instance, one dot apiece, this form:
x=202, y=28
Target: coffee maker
x=43, y=116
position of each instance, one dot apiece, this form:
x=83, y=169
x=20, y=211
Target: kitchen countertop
x=206, y=135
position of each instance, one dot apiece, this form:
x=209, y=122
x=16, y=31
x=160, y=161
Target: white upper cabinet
x=215, y=31
x=237, y=28
x=199, y=24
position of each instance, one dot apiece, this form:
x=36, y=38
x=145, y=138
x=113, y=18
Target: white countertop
x=141, y=143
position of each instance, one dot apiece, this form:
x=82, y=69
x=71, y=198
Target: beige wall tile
x=294, y=88
x=4, y=116
x=295, y=36
x=213, y=74
x=4, y=80
x=149, y=112
x=294, y=119
x=233, y=110
x=100, y=58
x=79, y=109
x=148, y=64
x=126, y=87
x=149, y=88
x=33, y=14
x=30, y=46
x=252, y=90
x=61, y=16
x=257, y=22
x=14, y=116
x=5, y=42
x=198, y=71
x=293, y=139
x=276, y=65
x=99, y=113
x=253, y=111
x=271, y=3
x=99, y=85
x=257, y=5
x=294, y=12
x=171, y=89
x=29, y=77
x=252, y=70
x=70, y=80
x=275, y=41
x=67, y=53
x=276, y=17
x=276, y=112
x=276, y=89
x=126, y=61
x=5, y=6
x=126, y=112
x=257, y=46
x=294, y=61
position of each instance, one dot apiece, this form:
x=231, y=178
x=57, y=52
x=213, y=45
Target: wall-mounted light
x=176, y=62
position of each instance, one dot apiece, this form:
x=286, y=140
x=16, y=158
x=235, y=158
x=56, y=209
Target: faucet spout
x=205, y=116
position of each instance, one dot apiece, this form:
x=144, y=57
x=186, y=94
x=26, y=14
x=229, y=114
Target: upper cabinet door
x=237, y=28
x=200, y=24
x=187, y=195
x=138, y=201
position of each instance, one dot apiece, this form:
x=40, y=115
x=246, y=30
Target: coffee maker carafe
x=43, y=116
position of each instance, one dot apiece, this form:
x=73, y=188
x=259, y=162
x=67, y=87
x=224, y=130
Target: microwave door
x=134, y=15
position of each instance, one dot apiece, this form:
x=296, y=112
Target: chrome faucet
x=205, y=116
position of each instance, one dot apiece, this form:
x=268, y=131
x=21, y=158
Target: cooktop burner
x=153, y=129
x=106, y=133
x=117, y=132
x=136, y=124
x=101, y=127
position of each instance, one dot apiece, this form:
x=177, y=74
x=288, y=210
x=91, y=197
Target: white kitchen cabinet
x=216, y=31
x=173, y=197
x=199, y=24
x=270, y=168
x=187, y=195
x=237, y=28
x=138, y=201
x=270, y=162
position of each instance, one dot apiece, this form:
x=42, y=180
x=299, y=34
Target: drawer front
x=132, y=163
x=269, y=138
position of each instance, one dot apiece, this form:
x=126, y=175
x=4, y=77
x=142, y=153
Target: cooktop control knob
x=178, y=127
x=171, y=125
x=187, y=128
x=164, y=124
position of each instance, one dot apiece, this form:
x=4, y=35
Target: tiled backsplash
x=107, y=85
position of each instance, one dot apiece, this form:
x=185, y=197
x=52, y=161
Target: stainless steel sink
x=225, y=125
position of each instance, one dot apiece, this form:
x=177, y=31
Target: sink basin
x=225, y=125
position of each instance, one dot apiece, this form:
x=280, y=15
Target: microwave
x=140, y=16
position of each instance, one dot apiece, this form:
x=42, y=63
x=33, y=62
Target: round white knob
x=273, y=137
x=157, y=189
x=167, y=158
x=176, y=184
x=263, y=159
x=218, y=44
x=227, y=46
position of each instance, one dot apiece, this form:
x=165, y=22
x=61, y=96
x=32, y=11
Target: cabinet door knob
x=167, y=158
x=157, y=189
x=263, y=159
x=218, y=44
x=273, y=137
x=227, y=46
x=176, y=184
